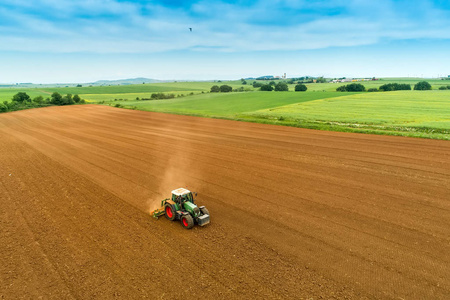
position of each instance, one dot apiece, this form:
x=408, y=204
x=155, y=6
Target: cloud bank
x=113, y=26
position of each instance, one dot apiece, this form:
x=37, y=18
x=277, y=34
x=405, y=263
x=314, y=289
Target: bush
x=422, y=86
x=300, y=88
x=266, y=88
x=281, y=87
x=353, y=87
x=225, y=88
x=215, y=89
x=372, y=90
x=443, y=87
x=3, y=107
x=160, y=96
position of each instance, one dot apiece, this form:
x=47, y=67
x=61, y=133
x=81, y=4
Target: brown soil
x=295, y=214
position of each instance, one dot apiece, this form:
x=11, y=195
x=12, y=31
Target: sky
x=55, y=41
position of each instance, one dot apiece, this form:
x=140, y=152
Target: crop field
x=423, y=114
x=295, y=213
x=226, y=104
x=407, y=113
x=6, y=94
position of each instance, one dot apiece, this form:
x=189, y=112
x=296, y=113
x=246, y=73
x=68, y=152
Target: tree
x=272, y=83
x=300, y=88
x=321, y=80
x=38, y=99
x=215, y=89
x=79, y=85
x=225, y=88
x=21, y=97
x=56, y=98
x=244, y=82
x=266, y=88
x=257, y=84
x=67, y=100
x=77, y=98
x=422, y=86
x=281, y=87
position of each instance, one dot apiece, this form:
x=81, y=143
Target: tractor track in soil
x=295, y=213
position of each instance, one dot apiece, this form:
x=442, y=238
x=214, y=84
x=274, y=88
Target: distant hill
x=138, y=80
x=128, y=81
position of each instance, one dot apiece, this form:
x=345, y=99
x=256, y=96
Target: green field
x=408, y=113
x=229, y=105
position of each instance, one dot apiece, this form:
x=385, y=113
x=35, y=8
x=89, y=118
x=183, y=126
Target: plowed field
x=295, y=213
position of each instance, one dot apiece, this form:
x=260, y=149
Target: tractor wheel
x=170, y=212
x=204, y=211
x=187, y=221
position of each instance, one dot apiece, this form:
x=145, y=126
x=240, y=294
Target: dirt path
x=295, y=213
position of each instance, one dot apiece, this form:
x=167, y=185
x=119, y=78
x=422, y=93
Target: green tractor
x=182, y=207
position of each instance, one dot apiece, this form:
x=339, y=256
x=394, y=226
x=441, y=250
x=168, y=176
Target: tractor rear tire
x=187, y=221
x=204, y=211
x=170, y=212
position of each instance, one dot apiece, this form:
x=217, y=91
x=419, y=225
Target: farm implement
x=182, y=207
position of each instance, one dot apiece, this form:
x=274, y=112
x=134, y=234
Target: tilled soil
x=295, y=214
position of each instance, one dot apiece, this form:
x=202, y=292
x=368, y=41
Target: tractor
x=182, y=207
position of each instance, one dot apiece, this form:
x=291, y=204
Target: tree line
x=357, y=87
x=22, y=100
x=271, y=86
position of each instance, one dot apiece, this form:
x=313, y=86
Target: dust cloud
x=175, y=174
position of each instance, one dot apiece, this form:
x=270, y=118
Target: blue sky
x=46, y=41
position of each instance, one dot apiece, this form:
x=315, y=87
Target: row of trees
x=271, y=86
x=22, y=100
x=352, y=87
x=279, y=87
x=222, y=89
x=158, y=96
x=395, y=87
x=357, y=87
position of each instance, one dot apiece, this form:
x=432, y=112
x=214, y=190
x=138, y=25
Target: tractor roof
x=180, y=192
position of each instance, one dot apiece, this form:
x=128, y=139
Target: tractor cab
x=182, y=195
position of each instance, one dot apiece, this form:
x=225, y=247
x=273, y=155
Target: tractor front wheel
x=187, y=221
x=170, y=212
